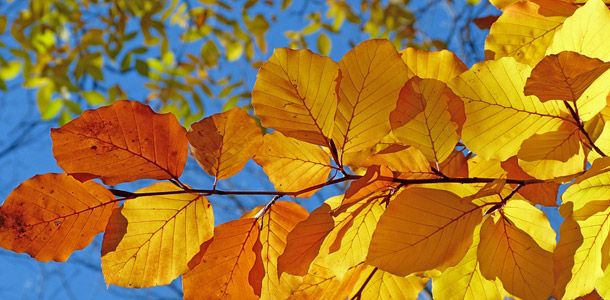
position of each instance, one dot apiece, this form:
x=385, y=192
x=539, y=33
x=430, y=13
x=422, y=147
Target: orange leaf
x=293, y=165
x=122, y=142
x=295, y=94
x=227, y=267
x=405, y=162
x=423, y=229
x=440, y=65
x=422, y=118
x=543, y=193
x=564, y=76
x=321, y=283
x=150, y=240
x=485, y=22
x=223, y=143
x=372, y=76
x=519, y=253
x=367, y=185
x=49, y=216
x=455, y=165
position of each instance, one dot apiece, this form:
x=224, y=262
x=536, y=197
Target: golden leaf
x=441, y=65
x=385, y=285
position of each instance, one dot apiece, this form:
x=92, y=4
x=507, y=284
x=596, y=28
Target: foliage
x=447, y=169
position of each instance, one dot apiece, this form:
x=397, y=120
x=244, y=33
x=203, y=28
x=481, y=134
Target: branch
x=582, y=129
x=358, y=294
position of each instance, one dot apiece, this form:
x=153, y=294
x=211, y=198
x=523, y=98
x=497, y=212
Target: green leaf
x=93, y=97
x=324, y=44
x=234, y=50
x=50, y=111
x=10, y=70
x=142, y=67
x=73, y=107
x=126, y=63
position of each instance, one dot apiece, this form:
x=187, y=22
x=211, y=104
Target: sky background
x=81, y=278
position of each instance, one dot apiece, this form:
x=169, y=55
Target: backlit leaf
x=440, y=65
x=408, y=162
x=224, y=142
x=122, y=142
x=422, y=119
x=543, y=193
x=295, y=94
x=50, y=216
x=227, y=264
x=423, y=229
x=372, y=75
x=150, y=240
x=553, y=154
x=519, y=253
x=525, y=29
x=291, y=164
x=499, y=117
x=593, y=185
x=321, y=283
x=385, y=285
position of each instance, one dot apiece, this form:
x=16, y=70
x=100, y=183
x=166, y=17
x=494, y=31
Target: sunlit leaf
x=293, y=165
x=499, y=117
x=405, y=162
x=50, y=216
x=227, y=266
x=224, y=142
x=385, y=285
x=295, y=94
x=543, y=193
x=525, y=29
x=150, y=240
x=422, y=118
x=122, y=142
x=372, y=75
x=423, y=229
x=519, y=252
x=441, y=65
x=321, y=283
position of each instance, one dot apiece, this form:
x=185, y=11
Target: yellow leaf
x=304, y=242
x=423, y=229
x=122, y=142
x=385, y=285
x=372, y=75
x=224, y=142
x=293, y=165
x=602, y=285
x=422, y=118
x=355, y=240
x=553, y=154
x=321, y=283
x=525, y=29
x=543, y=193
x=227, y=264
x=295, y=94
x=49, y=216
x=405, y=162
x=591, y=186
x=499, y=117
x=578, y=257
x=585, y=32
x=150, y=240
x=464, y=280
x=441, y=65
x=519, y=252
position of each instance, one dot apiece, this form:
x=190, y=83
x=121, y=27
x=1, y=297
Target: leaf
x=591, y=186
x=407, y=163
x=321, y=283
x=553, y=154
x=385, y=285
x=281, y=218
x=371, y=182
x=292, y=165
x=519, y=252
x=525, y=29
x=150, y=240
x=464, y=280
x=224, y=142
x=585, y=32
x=455, y=165
x=226, y=264
x=543, y=193
x=122, y=142
x=323, y=43
x=422, y=119
x=295, y=94
x=372, y=75
x=50, y=216
x=423, y=229
x=498, y=116
x=305, y=240
x=441, y=65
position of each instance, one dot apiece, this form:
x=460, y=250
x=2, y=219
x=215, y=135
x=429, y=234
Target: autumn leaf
x=385, y=285
x=441, y=65
x=422, y=118
x=50, y=216
x=321, y=283
x=542, y=193
x=150, y=239
x=517, y=248
x=526, y=28
x=295, y=94
x=372, y=75
x=292, y=165
x=455, y=165
x=371, y=182
x=423, y=229
x=464, y=280
x=227, y=268
x=122, y=142
x=223, y=143
x=404, y=162
x=494, y=101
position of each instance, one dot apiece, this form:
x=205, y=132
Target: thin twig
x=582, y=129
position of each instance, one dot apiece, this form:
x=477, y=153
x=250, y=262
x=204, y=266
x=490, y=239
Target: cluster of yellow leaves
x=533, y=116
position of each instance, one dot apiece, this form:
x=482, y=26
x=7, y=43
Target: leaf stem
x=582, y=129
x=358, y=294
